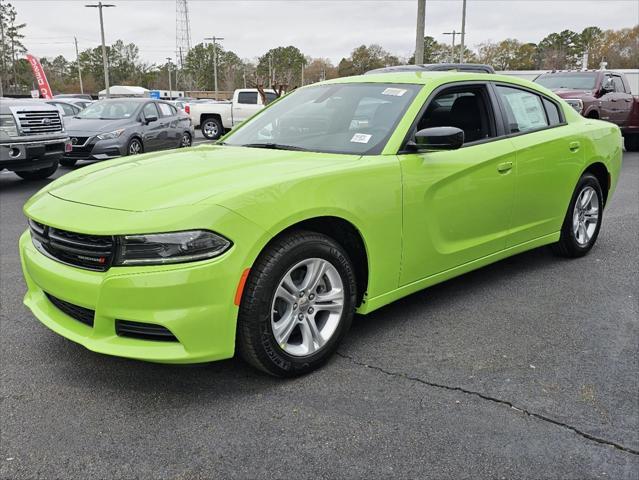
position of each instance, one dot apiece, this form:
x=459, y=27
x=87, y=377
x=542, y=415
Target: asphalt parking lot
x=527, y=368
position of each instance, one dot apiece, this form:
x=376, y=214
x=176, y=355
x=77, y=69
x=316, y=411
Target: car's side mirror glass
x=437, y=138
x=151, y=118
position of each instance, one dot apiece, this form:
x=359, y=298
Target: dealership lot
x=525, y=369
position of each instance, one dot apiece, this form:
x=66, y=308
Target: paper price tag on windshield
x=361, y=138
x=395, y=92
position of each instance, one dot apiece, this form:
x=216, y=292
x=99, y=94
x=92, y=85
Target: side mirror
x=151, y=118
x=437, y=138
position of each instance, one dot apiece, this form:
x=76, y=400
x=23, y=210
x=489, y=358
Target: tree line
x=287, y=65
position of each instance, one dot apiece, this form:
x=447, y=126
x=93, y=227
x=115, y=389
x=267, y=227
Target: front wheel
x=68, y=162
x=583, y=219
x=135, y=147
x=39, y=174
x=212, y=128
x=631, y=142
x=297, y=305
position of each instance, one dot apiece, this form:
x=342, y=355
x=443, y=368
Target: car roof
x=436, y=67
x=423, y=77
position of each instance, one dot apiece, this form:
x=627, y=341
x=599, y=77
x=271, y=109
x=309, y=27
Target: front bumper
x=31, y=155
x=96, y=149
x=193, y=301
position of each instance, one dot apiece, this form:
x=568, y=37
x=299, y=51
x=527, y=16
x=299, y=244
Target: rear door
x=245, y=106
x=548, y=153
x=171, y=135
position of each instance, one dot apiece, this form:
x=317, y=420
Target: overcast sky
x=330, y=28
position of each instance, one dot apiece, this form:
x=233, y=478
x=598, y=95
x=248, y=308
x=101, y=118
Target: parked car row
x=37, y=135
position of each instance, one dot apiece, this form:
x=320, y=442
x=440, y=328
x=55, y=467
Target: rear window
x=554, y=118
x=247, y=97
x=165, y=110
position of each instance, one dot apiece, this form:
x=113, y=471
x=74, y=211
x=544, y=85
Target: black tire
x=212, y=128
x=568, y=245
x=135, y=146
x=631, y=142
x=186, y=140
x=256, y=341
x=39, y=174
x=68, y=162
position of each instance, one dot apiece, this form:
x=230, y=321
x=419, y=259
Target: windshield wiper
x=275, y=146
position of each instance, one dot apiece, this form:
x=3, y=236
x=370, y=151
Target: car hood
x=90, y=126
x=566, y=93
x=187, y=176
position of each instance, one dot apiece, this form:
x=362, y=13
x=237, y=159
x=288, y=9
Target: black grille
x=144, y=331
x=76, y=312
x=39, y=121
x=78, y=141
x=92, y=252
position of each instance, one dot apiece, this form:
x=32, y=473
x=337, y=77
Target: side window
x=554, y=118
x=270, y=96
x=165, y=109
x=150, y=110
x=524, y=110
x=247, y=97
x=467, y=108
x=618, y=82
x=68, y=109
x=174, y=110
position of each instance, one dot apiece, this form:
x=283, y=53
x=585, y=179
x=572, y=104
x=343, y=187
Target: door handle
x=574, y=146
x=504, y=167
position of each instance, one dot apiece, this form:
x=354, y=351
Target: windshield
x=568, y=81
x=111, y=110
x=354, y=118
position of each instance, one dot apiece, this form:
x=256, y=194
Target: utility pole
x=168, y=67
x=77, y=57
x=214, y=39
x=454, y=33
x=100, y=6
x=419, y=36
x=463, y=33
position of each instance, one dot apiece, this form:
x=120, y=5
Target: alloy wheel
x=307, y=307
x=135, y=147
x=210, y=129
x=585, y=215
x=186, y=140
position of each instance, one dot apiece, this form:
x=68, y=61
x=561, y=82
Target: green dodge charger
x=339, y=198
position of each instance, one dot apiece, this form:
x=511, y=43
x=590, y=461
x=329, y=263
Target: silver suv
x=32, y=138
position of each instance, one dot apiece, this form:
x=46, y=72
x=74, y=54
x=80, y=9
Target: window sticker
x=361, y=138
x=394, y=92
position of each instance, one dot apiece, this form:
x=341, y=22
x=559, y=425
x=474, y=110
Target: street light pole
x=168, y=67
x=214, y=39
x=454, y=33
x=77, y=58
x=100, y=6
x=463, y=33
x=419, y=36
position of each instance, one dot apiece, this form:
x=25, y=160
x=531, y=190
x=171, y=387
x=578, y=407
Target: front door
x=457, y=204
x=151, y=130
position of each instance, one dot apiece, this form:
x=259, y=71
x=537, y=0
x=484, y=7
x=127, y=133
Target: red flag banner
x=41, y=78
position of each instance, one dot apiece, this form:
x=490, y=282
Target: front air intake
x=144, y=331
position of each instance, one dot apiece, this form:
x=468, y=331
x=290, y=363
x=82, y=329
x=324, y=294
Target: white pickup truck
x=215, y=118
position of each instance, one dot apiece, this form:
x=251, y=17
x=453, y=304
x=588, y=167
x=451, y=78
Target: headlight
x=176, y=247
x=8, y=125
x=576, y=103
x=110, y=135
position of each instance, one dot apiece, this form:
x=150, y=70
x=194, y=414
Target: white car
x=215, y=118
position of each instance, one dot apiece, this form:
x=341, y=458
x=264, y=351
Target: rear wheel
x=583, y=219
x=186, y=140
x=297, y=305
x=39, y=174
x=212, y=128
x=68, y=162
